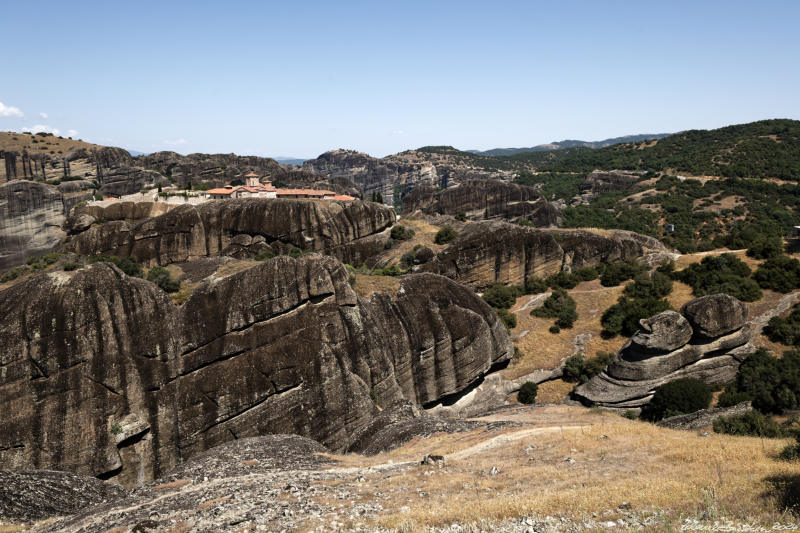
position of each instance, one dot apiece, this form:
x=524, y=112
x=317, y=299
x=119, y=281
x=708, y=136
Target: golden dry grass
x=367, y=285
x=555, y=391
x=543, y=349
x=678, y=473
x=424, y=234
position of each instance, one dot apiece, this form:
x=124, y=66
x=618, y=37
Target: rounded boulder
x=715, y=315
x=663, y=332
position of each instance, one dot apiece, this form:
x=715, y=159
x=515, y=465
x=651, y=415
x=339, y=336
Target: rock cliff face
x=600, y=181
x=101, y=374
x=350, y=231
x=370, y=174
x=119, y=181
x=493, y=251
x=31, y=215
x=483, y=199
x=214, y=170
x=708, y=342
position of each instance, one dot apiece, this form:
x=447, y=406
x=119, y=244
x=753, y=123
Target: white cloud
x=398, y=132
x=72, y=133
x=176, y=142
x=10, y=111
x=41, y=128
x=43, y=114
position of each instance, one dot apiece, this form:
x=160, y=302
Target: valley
x=273, y=364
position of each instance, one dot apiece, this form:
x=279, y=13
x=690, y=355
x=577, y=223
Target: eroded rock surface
x=31, y=215
x=493, y=251
x=715, y=315
x=483, y=199
x=350, y=231
x=668, y=349
x=102, y=374
x=39, y=494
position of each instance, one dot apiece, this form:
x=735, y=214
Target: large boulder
x=495, y=251
x=39, y=494
x=157, y=234
x=31, y=215
x=666, y=349
x=663, y=332
x=483, y=199
x=101, y=374
x=715, y=315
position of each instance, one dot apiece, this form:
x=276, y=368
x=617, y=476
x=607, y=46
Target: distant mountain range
x=290, y=160
x=570, y=143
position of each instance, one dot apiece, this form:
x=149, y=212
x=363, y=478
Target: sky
x=299, y=78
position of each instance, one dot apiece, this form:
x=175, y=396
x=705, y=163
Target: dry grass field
x=577, y=463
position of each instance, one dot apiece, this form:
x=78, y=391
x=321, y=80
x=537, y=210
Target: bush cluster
x=771, y=384
x=751, y=423
x=527, y=393
x=623, y=317
x=677, y=397
x=723, y=273
x=128, y=265
x=779, y=273
x=560, y=306
x=401, y=233
x=578, y=369
x=445, y=235
x=162, y=277
x=615, y=273
x=785, y=330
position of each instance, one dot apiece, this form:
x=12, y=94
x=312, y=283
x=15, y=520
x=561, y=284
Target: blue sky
x=299, y=78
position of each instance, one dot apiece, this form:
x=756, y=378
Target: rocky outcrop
x=101, y=374
x=119, y=181
x=704, y=417
x=40, y=494
x=715, y=315
x=372, y=175
x=214, y=170
x=600, y=181
x=350, y=231
x=31, y=215
x=489, y=252
x=670, y=347
x=483, y=199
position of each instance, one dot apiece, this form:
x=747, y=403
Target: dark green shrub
x=535, y=285
x=649, y=285
x=785, y=330
x=676, y=398
x=461, y=216
x=401, y=233
x=766, y=248
x=70, y=265
x=586, y=274
x=623, y=317
x=554, y=329
x=161, y=277
x=780, y=273
x=263, y=256
x=560, y=306
x=578, y=369
x=508, y=318
x=630, y=414
x=128, y=265
x=772, y=384
x=723, y=273
x=615, y=273
x=501, y=296
x=445, y=235
x=564, y=280
x=12, y=274
x=751, y=423
x=527, y=393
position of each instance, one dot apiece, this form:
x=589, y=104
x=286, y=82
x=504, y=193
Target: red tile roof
x=342, y=197
x=220, y=191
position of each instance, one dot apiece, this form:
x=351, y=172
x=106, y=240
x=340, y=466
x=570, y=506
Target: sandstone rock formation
x=670, y=347
x=350, y=231
x=704, y=417
x=31, y=215
x=119, y=181
x=600, y=181
x=492, y=251
x=101, y=374
x=483, y=199
x=370, y=174
x=39, y=494
x=214, y=170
